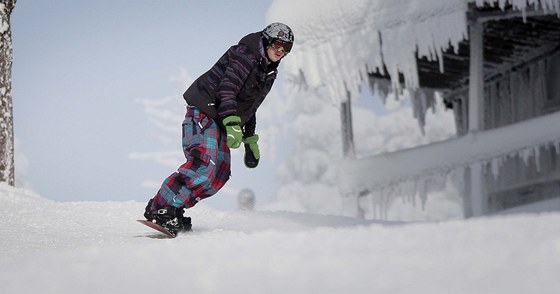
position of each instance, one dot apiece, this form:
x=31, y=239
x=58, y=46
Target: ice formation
x=339, y=42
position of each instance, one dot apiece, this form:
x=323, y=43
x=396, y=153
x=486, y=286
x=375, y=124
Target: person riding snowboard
x=221, y=114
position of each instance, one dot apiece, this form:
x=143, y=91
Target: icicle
x=537, y=157
x=384, y=207
x=408, y=189
x=496, y=164
x=525, y=154
x=372, y=196
x=422, y=191
x=419, y=105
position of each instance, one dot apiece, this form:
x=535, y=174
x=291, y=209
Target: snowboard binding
x=170, y=218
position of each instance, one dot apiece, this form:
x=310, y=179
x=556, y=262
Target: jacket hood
x=254, y=42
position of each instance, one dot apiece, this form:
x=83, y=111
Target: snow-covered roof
x=338, y=42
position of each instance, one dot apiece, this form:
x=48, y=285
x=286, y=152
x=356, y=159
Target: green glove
x=252, y=153
x=233, y=129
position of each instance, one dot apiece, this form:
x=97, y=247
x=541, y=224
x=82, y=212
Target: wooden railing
x=380, y=171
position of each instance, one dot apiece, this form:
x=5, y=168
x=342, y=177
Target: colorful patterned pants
x=207, y=168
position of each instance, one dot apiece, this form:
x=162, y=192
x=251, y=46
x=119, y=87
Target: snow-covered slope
x=96, y=247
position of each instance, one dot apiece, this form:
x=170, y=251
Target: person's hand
x=233, y=130
x=252, y=153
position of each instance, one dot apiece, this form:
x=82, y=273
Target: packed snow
x=97, y=247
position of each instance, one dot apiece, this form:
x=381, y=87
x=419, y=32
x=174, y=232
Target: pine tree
x=6, y=116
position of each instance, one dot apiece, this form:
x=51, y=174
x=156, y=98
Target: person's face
x=277, y=50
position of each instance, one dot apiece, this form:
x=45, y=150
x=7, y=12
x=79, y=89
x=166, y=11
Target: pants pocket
x=201, y=121
x=199, y=158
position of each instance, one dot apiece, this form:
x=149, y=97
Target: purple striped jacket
x=236, y=85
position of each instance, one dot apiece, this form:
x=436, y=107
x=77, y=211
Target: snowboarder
x=221, y=114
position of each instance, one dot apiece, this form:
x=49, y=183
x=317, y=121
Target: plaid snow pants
x=207, y=168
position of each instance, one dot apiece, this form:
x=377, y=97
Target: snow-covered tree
x=6, y=117
x=308, y=174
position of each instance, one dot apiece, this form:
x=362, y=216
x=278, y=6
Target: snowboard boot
x=169, y=217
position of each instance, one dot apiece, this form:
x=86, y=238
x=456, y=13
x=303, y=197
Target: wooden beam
x=348, y=149
x=476, y=75
x=485, y=16
x=478, y=197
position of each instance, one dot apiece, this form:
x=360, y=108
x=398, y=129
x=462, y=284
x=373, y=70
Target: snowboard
x=157, y=228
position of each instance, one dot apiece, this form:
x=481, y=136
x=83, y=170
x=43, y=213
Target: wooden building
x=504, y=79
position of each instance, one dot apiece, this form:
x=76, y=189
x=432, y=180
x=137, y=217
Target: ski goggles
x=281, y=46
